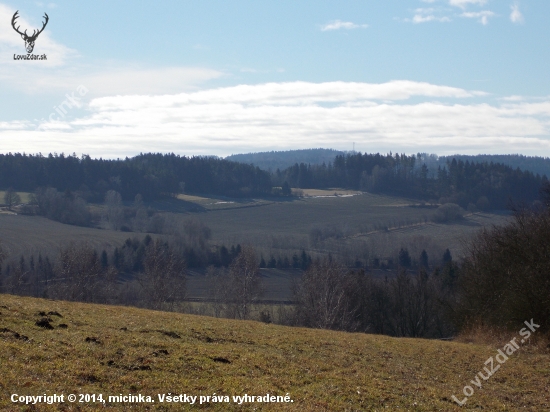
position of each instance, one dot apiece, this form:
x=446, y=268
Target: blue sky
x=221, y=77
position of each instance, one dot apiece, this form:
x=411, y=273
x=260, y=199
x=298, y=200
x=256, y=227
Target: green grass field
x=115, y=350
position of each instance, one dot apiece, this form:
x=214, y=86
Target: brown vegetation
x=113, y=350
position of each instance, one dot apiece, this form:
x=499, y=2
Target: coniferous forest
x=486, y=185
x=150, y=175
x=489, y=185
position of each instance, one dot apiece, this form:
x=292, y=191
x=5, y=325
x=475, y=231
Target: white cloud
x=515, y=15
x=112, y=79
x=128, y=80
x=464, y=3
x=419, y=18
x=425, y=15
x=293, y=115
x=483, y=16
x=297, y=94
x=338, y=24
x=514, y=98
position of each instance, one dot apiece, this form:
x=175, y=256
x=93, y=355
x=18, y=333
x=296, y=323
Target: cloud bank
x=402, y=116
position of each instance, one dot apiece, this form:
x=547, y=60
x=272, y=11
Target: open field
x=286, y=225
x=115, y=350
x=429, y=235
x=297, y=217
x=25, y=196
x=32, y=234
x=364, y=225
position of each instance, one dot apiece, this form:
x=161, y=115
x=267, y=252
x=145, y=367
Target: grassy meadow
x=115, y=350
x=367, y=224
x=22, y=234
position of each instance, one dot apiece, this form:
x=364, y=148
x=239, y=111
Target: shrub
x=506, y=276
x=447, y=213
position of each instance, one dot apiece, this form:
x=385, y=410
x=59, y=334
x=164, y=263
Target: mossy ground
x=113, y=350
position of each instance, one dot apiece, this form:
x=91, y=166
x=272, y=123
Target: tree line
x=487, y=185
x=152, y=175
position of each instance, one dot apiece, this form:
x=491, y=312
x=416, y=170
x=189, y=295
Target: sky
x=211, y=77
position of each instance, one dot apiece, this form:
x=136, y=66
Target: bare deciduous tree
x=115, y=212
x=244, y=286
x=11, y=198
x=322, y=298
x=216, y=283
x=163, y=280
x=505, y=276
x=80, y=275
x=141, y=218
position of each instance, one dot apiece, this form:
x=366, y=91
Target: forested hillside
x=272, y=161
x=150, y=175
x=535, y=164
x=484, y=185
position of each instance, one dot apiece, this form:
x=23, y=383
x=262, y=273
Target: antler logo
x=29, y=40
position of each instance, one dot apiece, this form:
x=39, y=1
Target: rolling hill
x=53, y=347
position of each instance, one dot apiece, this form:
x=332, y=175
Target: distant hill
x=271, y=161
x=281, y=160
x=535, y=164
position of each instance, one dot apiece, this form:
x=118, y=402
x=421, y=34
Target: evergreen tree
x=286, y=190
x=447, y=258
x=423, y=261
x=404, y=258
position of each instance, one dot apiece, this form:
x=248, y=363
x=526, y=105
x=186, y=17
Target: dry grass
x=32, y=234
x=327, y=192
x=113, y=350
x=481, y=334
x=215, y=202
